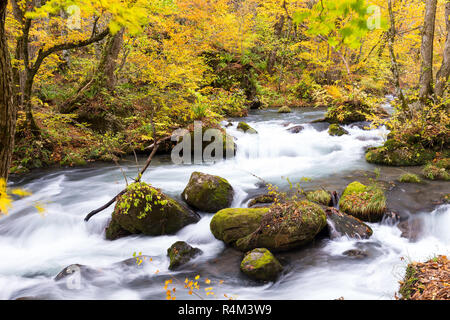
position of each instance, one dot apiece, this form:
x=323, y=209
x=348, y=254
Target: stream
x=35, y=247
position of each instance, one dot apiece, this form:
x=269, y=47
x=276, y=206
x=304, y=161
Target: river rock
x=336, y=130
x=340, y=223
x=260, y=264
x=144, y=209
x=286, y=226
x=246, y=128
x=232, y=224
x=229, y=146
x=295, y=129
x=354, y=253
x=396, y=153
x=263, y=200
x=411, y=228
x=284, y=109
x=367, y=203
x=208, y=193
x=181, y=253
x=83, y=271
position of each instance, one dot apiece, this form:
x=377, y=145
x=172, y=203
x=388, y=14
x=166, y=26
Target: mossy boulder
x=286, y=226
x=232, y=224
x=181, y=253
x=319, y=196
x=229, y=146
x=395, y=153
x=263, y=200
x=208, y=193
x=367, y=203
x=260, y=264
x=144, y=209
x=438, y=170
x=284, y=109
x=341, y=224
x=246, y=128
x=336, y=130
x=410, y=178
x=351, y=111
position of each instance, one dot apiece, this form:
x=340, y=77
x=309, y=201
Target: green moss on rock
x=394, y=153
x=264, y=199
x=319, y=196
x=260, y=264
x=181, y=253
x=232, y=224
x=246, y=128
x=284, y=109
x=409, y=178
x=336, y=130
x=144, y=209
x=208, y=193
x=367, y=203
x=286, y=226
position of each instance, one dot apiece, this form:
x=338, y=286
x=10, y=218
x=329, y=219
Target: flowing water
x=34, y=248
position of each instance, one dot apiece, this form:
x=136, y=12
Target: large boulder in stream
x=231, y=224
x=260, y=264
x=181, y=253
x=396, y=153
x=340, y=224
x=208, y=193
x=144, y=209
x=227, y=143
x=367, y=203
x=286, y=226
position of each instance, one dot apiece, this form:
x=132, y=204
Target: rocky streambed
x=37, y=249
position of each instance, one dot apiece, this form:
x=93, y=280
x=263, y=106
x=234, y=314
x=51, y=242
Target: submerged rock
x=320, y=196
x=232, y=224
x=336, y=130
x=208, y=193
x=367, y=203
x=354, y=253
x=284, y=109
x=286, y=226
x=246, y=128
x=411, y=229
x=344, y=224
x=395, y=153
x=144, y=209
x=181, y=253
x=263, y=200
x=83, y=271
x=260, y=264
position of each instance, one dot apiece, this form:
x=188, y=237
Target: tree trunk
x=108, y=64
x=444, y=72
x=8, y=111
x=426, y=50
x=394, y=65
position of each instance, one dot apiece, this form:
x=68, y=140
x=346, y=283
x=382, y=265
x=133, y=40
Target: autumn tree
x=7, y=106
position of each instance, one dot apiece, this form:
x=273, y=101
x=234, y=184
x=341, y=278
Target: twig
x=137, y=179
